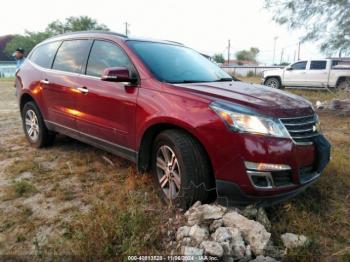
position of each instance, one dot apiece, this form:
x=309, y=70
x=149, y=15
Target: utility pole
x=299, y=51
x=274, y=49
x=126, y=28
x=228, y=52
x=282, y=55
x=295, y=53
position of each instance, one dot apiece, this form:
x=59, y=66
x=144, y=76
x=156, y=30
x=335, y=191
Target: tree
x=248, y=55
x=325, y=21
x=3, y=42
x=71, y=24
x=26, y=41
x=219, y=58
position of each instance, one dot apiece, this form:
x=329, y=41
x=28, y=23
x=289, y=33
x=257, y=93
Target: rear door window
x=72, y=55
x=104, y=55
x=318, y=65
x=299, y=65
x=43, y=55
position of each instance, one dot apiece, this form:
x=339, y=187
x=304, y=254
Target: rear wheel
x=181, y=169
x=273, y=82
x=34, y=127
x=344, y=85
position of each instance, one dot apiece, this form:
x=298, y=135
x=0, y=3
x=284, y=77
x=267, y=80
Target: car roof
x=108, y=34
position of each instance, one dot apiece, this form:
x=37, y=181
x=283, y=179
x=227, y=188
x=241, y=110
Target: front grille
x=301, y=129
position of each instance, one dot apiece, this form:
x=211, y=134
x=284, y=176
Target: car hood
x=262, y=99
x=273, y=72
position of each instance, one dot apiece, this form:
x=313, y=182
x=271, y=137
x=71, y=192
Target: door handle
x=45, y=82
x=83, y=90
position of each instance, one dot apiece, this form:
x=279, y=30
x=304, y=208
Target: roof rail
x=174, y=42
x=91, y=31
x=341, y=58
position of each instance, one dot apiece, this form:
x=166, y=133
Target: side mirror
x=117, y=74
x=289, y=68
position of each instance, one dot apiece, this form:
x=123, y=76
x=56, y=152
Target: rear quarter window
x=72, y=55
x=43, y=55
x=318, y=65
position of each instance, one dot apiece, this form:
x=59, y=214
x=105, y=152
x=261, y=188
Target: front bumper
x=230, y=194
x=306, y=162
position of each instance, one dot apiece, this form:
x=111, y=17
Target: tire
x=39, y=136
x=273, y=82
x=344, y=85
x=192, y=169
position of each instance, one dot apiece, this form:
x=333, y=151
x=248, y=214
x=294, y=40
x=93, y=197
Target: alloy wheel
x=273, y=83
x=32, y=125
x=168, y=172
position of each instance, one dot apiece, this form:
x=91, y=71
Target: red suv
x=200, y=132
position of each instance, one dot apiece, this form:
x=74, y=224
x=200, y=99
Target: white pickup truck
x=331, y=73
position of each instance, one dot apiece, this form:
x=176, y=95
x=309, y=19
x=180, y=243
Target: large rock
x=253, y=232
x=198, y=233
x=182, y=232
x=221, y=234
x=216, y=224
x=212, y=248
x=263, y=259
x=191, y=251
x=292, y=240
x=199, y=213
x=237, y=243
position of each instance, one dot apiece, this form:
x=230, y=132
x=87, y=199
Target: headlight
x=242, y=122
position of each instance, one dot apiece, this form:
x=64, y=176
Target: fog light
x=261, y=180
x=265, y=166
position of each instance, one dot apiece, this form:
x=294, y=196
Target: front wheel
x=181, y=169
x=34, y=127
x=273, y=82
x=344, y=85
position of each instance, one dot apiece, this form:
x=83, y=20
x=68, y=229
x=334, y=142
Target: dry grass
x=68, y=199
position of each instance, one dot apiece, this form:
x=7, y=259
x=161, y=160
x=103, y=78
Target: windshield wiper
x=224, y=79
x=188, y=81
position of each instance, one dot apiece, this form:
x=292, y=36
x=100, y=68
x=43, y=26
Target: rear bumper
x=230, y=193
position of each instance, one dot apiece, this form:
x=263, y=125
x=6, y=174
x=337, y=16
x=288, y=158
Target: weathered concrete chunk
x=191, y=251
x=237, y=243
x=221, y=234
x=182, y=232
x=291, y=240
x=197, y=214
x=253, y=232
x=263, y=259
x=212, y=248
x=198, y=233
x=216, y=224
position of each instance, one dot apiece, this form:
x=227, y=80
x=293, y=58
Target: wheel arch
x=341, y=79
x=274, y=76
x=148, y=137
x=25, y=98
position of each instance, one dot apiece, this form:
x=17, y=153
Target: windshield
x=177, y=64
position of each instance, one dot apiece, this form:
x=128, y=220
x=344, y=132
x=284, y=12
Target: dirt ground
x=73, y=199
